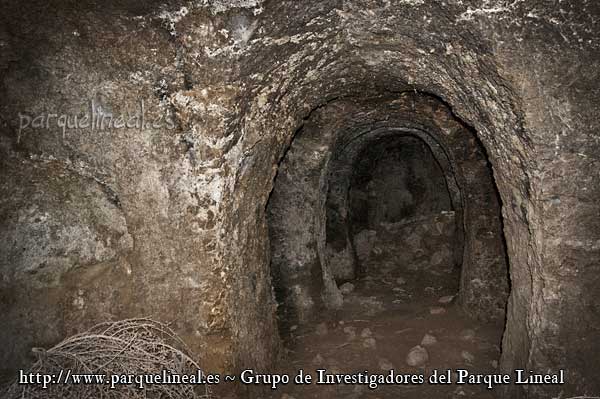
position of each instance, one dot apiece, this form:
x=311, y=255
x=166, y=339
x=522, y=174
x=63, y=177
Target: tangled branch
x=136, y=347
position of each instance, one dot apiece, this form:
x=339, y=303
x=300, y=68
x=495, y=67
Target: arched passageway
x=397, y=198
x=389, y=223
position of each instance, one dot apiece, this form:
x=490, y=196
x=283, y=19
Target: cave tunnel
x=381, y=185
x=386, y=211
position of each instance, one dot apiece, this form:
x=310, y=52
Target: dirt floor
x=389, y=312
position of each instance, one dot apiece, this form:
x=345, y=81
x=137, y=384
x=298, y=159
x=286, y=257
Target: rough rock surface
x=160, y=217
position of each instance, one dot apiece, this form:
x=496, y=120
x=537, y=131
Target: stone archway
x=304, y=195
x=292, y=112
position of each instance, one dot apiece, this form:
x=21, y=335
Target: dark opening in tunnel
x=398, y=199
x=395, y=179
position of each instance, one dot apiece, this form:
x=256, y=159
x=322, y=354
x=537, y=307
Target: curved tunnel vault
x=321, y=73
x=313, y=211
x=410, y=176
x=386, y=206
x=397, y=194
x=365, y=88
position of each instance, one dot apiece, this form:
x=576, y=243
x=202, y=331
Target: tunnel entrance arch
x=479, y=96
x=307, y=206
x=454, y=252
x=341, y=248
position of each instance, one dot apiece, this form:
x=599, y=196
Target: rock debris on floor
x=397, y=317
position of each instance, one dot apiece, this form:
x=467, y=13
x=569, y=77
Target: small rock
x=428, y=340
x=400, y=281
x=286, y=396
x=467, y=335
x=370, y=343
x=467, y=356
x=322, y=329
x=385, y=364
x=417, y=356
x=437, y=310
x=398, y=289
x=346, y=288
x=494, y=364
x=351, y=332
x=366, y=333
x=294, y=327
x=446, y=299
x=318, y=360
